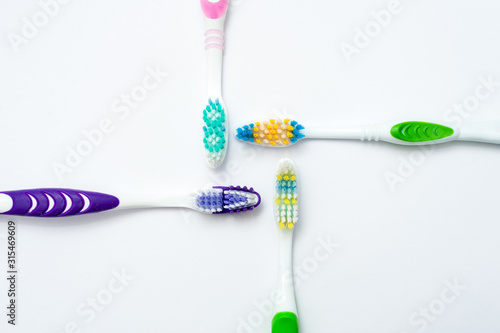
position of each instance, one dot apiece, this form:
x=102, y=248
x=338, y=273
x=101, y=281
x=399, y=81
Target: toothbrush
x=215, y=137
x=285, y=215
x=282, y=133
x=56, y=202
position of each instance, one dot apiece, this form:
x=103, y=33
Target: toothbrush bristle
x=227, y=199
x=271, y=133
x=214, y=130
x=285, y=195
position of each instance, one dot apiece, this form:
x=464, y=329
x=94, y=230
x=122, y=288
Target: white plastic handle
x=215, y=15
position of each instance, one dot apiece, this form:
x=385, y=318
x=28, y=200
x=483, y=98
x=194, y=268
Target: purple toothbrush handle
x=56, y=202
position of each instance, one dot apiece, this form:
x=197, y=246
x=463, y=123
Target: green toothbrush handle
x=421, y=133
x=285, y=322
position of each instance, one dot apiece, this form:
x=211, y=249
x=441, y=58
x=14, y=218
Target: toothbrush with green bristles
x=285, y=216
x=215, y=137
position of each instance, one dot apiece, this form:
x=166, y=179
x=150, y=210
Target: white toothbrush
x=59, y=202
x=285, y=215
x=215, y=136
x=285, y=132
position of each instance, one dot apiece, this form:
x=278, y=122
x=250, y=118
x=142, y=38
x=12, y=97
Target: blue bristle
x=300, y=127
x=293, y=123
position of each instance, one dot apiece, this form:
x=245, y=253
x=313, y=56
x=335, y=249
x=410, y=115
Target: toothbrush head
x=271, y=133
x=227, y=199
x=214, y=133
x=286, y=207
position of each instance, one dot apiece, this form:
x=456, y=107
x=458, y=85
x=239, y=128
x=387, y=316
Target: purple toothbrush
x=59, y=202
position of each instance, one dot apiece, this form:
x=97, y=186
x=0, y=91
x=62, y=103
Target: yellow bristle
x=282, y=225
x=272, y=131
x=290, y=135
x=255, y=135
x=290, y=128
x=290, y=225
x=285, y=177
x=257, y=140
x=269, y=126
x=255, y=129
x=275, y=126
x=286, y=121
x=272, y=121
x=269, y=136
x=272, y=142
x=278, y=177
x=294, y=201
x=275, y=137
x=292, y=177
x=286, y=201
x=285, y=142
x=257, y=124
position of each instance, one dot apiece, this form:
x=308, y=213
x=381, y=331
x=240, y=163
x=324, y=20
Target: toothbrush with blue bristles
x=215, y=136
x=286, y=132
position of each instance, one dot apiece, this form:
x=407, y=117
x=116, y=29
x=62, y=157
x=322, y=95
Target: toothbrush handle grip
x=215, y=15
x=413, y=133
x=55, y=202
x=422, y=133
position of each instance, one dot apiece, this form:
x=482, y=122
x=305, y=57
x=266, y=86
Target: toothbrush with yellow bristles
x=285, y=215
x=286, y=132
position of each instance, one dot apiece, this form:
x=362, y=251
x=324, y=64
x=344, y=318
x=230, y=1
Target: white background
x=194, y=273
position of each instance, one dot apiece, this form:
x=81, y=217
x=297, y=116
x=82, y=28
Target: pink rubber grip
x=214, y=10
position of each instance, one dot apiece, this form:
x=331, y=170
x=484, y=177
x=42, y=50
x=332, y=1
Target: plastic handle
x=488, y=132
x=410, y=133
x=215, y=15
x=55, y=202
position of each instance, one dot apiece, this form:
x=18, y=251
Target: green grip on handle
x=418, y=131
x=285, y=322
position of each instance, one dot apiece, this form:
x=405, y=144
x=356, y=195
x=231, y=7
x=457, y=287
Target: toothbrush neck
x=285, y=301
x=148, y=201
x=214, y=74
